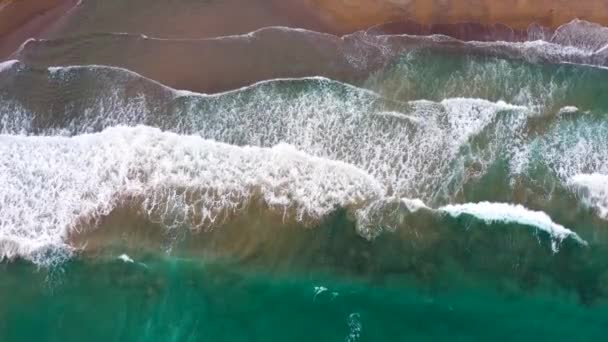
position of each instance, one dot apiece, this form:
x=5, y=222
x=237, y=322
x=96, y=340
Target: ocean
x=369, y=187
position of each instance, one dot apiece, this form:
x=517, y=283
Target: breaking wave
x=52, y=185
x=504, y=212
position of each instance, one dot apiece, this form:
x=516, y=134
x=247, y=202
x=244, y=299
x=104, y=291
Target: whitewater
x=303, y=147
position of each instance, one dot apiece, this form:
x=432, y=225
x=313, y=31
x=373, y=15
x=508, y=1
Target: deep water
x=172, y=299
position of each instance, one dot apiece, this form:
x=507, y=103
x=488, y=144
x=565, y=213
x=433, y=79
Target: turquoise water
x=170, y=299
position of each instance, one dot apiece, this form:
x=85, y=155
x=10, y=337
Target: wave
x=432, y=150
x=509, y=213
x=214, y=64
x=59, y=188
x=572, y=151
x=391, y=140
x=418, y=75
x=395, y=214
x=418, y=148
x=465, y=31
x=593, y=188
x=139, y=189
x=581, y=34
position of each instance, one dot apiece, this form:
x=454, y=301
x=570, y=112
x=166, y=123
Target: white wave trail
x=593, y=188
x=513, y=213
x=52, y=185
x=384, y=213
x=6, y=65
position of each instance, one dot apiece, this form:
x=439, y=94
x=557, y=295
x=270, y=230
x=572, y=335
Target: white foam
x=62, y=71
x=468, y=117
x=355, y=327
x=6, y=65
x=568, y=110
x=593, y=188
x=530, y=51
x=513, y=213
x=318, y=291
x=581, y=34
x=413, y=205
x=51, y=185
x=126, y=258
x=400, y=116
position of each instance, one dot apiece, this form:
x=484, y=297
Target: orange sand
x=349, y=15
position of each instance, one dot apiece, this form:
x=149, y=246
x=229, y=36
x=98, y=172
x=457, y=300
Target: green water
x=168, y=299
x=459, y=280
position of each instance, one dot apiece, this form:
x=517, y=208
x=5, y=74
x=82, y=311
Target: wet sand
x=186, y=19
x=23, y=19
x=207, y=65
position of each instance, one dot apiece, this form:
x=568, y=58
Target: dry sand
x=351, y=15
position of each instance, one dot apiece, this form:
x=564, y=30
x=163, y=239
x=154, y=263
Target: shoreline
x=214, y=65
x=485, y=19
